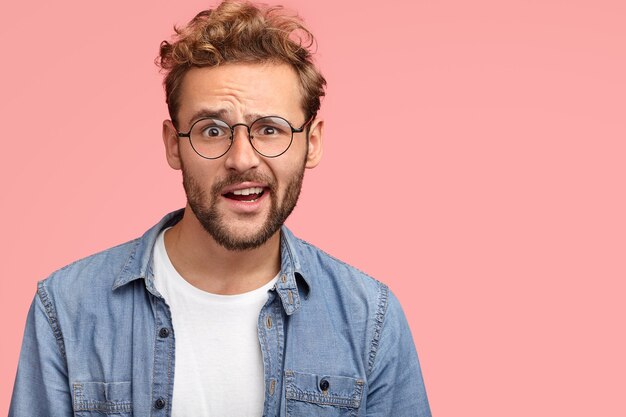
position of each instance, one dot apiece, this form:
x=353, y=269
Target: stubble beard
x=213, y=222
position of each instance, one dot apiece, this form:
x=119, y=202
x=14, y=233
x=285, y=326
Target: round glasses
x=270, y=136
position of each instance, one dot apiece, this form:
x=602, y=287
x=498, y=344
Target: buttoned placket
x=283, y=300
x=164, y=355
x=271, y=333
x=271, y=339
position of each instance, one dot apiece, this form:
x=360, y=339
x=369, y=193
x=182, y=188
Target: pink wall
x=474, y=161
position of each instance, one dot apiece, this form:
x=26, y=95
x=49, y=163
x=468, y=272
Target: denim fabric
x=99, y=340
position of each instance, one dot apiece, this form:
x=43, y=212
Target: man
x=219, y=310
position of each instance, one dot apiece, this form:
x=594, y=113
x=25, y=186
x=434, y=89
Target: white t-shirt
x=219, y=365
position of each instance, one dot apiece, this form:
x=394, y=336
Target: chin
x=243, y=238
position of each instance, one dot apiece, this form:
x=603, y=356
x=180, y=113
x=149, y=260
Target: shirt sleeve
x=395, y=383
x=41, y=385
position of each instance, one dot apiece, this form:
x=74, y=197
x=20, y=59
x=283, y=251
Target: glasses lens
x=210, y=137
x=271, y=136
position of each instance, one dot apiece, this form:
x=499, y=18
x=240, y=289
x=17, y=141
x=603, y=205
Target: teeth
x=248, y=191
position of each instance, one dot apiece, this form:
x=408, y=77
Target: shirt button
x=163, y=333
x=324, y=385
x=160, y=403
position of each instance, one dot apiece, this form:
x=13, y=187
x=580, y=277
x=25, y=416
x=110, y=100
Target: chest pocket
x=101, y=398
x=322, y=395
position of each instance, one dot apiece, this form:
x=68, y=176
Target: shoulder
x=110, y=268
x=352, y=285
x=352, y=295
x=366, y=306
x=336, y=276
x=91, y=276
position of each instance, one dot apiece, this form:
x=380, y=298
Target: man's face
x=242, y=198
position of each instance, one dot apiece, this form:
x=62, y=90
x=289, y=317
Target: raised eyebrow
x=222, y=114
x=212, y=113
x=253, y=117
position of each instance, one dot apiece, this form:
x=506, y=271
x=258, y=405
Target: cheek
x=287, y=176
x=295, y=156
x=288, y=169
x=202, y=171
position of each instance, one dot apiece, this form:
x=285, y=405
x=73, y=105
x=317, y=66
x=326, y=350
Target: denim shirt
x=99, y=340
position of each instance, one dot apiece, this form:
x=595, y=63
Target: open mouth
x=250, y=195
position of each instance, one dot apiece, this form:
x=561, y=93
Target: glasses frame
x=248, y=127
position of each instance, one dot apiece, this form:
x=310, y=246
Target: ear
x=170, y=140
x=314, y=155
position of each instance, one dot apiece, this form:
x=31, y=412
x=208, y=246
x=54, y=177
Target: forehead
x=239, y=90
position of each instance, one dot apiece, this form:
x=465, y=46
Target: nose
x=241, y=157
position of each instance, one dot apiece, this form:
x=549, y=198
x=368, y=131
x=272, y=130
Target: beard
x=206, y=210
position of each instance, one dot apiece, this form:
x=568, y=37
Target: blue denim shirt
x=99, y=340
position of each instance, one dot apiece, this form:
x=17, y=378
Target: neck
x=207, y=265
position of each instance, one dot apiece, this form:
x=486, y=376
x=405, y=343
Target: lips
x=245, y=192
x=250, y=194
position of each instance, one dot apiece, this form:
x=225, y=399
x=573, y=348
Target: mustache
x=237, y=178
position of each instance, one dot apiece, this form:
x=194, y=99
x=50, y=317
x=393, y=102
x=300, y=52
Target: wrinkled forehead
x=240, y=92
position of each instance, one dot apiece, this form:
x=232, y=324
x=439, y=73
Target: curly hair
x=241, y=32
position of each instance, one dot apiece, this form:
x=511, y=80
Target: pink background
x=474, y=161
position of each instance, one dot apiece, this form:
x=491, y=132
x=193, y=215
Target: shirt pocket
x=102, y=399
x=322, y=395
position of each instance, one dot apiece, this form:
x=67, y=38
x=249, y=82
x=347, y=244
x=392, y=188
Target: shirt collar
x=292, y=282
x=139, y=263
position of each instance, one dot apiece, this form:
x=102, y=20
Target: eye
x=270, y=127
x=268, y=130
x=213, y=131
x=210, y=129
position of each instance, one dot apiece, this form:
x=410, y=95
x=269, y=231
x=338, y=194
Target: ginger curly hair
x=241, y=32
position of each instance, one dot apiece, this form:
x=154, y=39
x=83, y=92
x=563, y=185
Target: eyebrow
x=202, y=113
x=221, y=114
